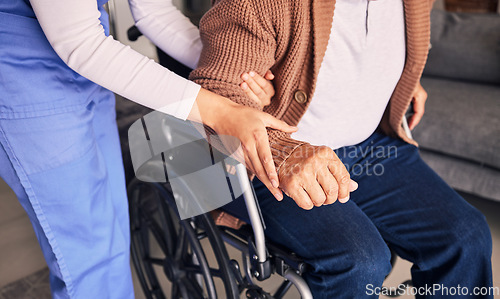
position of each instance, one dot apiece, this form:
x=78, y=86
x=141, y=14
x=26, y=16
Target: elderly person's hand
x=315, y=176
x=418, y=100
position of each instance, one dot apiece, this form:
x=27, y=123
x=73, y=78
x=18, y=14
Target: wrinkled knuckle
x=323, y=149
x=344, y=179
x=293, y=185
x=324, y=152
x=332, y=191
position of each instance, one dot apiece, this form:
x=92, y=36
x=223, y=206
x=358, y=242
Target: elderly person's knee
x=467, y=235
x=363, y=261
x=474, y=236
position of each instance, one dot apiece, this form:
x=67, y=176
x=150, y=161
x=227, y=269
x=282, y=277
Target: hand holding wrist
x=248, y=125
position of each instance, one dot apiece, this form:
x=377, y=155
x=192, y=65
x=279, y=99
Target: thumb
x=274, y=123
x=269, y=75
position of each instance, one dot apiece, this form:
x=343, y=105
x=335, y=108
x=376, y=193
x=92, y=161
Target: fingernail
x=275, y=183
x=353, y=186
x=344, y=200
x=245, y=77
x=278, y=196
x=244, y=86
x=252, y=74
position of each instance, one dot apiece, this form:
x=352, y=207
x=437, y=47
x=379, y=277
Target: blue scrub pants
x=66, y=170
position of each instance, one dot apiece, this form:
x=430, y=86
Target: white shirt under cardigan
x=76, y=34
x=362, y=65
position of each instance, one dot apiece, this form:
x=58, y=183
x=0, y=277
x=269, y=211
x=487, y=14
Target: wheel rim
x=165, y=246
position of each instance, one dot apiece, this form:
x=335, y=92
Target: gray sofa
x=459, y=135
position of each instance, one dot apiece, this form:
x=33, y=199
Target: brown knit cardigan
x=290, y=38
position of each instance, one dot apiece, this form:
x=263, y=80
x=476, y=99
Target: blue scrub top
x=34, y=81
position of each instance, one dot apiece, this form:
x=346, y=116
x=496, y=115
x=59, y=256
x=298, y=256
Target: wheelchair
x=183, y=243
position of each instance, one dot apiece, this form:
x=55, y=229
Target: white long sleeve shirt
x=162, y=23
x=75, y=32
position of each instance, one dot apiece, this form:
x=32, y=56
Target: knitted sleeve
x=237, y=39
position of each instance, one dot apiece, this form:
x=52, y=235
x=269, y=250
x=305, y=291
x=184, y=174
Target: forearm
x=210, y=108
x=235, y=41
x=162, y=23
x=77, y=36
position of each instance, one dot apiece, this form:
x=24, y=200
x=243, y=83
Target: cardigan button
x=300, y=97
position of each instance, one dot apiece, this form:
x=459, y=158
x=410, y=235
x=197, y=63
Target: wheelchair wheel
x=162, y=246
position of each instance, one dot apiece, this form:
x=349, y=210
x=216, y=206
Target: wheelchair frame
x=263, y=264
x=260, y=258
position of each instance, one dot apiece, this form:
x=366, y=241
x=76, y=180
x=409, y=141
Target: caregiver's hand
x=249, y=126
x=258, y=88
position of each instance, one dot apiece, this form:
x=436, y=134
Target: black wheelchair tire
x=154, y=218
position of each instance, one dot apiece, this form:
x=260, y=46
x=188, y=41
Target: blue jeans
x=400, y=203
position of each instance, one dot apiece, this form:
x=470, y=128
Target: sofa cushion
x=465, y=46
x=464, y=175
x=462, y=120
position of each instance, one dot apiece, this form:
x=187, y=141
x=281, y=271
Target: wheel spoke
x=156, y=231
x=193, y=287
x=155, y=261
x=169, y=233
x=202, y=235
x=175, y=291
x=184, y=291
x=181, y=244
x=158, y=293
x=196, y=269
